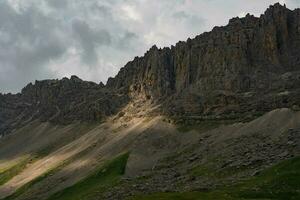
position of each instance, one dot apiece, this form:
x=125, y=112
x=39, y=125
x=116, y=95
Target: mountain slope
x=161, y=158
x=203, y=115
x=252, y=65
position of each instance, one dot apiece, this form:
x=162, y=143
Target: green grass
x=25, y=188
x=186, y=196
x=95, y=184
x=28, y=185
x=203, y=171
x=280, y=182
x=9, y=173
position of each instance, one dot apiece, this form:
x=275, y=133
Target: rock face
x=58, y=101
x=251, y=65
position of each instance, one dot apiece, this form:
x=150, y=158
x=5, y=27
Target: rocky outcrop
x=250, y=66
x=59, y=101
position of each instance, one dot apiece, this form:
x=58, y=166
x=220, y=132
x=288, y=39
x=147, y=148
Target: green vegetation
x=105, y=177
x=9, y=173
x=280, y=182
x=203, y=171
x=25, y=188
x=28, y=185
x=185, y=196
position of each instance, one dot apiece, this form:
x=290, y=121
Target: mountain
x=203, y=114
x=58, y=101
x=249, y=66
x=252, y=64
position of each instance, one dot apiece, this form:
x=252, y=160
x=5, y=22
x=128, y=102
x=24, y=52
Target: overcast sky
x=43, y=39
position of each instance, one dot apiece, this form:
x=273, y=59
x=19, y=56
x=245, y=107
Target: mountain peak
x=224, y=104
x=251, y=65
x=75, y=78
x=277, y=8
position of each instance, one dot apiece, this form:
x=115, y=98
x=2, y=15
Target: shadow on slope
x=7, y=173
x=281, y=182
x=92, y=186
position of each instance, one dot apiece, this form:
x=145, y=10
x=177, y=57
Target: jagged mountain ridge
x=66, y=137
x=58, y=101
x=249, y=55
x=251, y=65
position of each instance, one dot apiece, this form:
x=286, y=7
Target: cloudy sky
x=43, y=39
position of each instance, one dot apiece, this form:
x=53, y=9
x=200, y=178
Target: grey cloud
x=102, y=10
x=295, y=3
x=89, y=39
x=33, y=40
x=180, y=15
x=191, y=19
x=127, y=40
x=58, y=4
x=38, y=40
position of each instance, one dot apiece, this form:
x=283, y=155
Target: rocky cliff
x=58, y=101
x=250, y=66
x=168, y=124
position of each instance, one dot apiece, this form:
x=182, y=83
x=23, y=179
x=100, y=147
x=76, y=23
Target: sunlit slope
x=160, y=156
x=72, y=153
